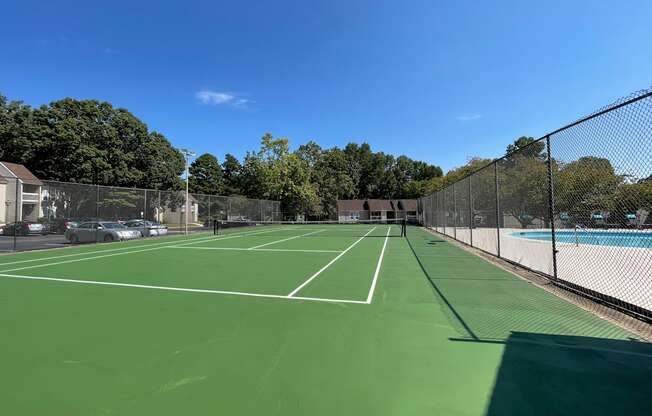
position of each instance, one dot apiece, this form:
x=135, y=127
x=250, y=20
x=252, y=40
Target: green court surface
x=302, y=320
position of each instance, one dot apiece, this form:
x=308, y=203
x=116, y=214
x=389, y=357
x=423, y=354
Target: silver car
x=147, y=228
x=97, y=231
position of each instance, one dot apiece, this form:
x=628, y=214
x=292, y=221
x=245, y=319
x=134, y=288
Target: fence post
x=551, y=208
x=97, y=210
x=470, y=212
x=210, y=214
x=16, y=219
x=454, y=212
x=497, y=189
x=444, y=213
x=145, y=206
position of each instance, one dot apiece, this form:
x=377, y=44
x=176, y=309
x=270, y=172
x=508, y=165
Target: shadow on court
x=483, y=301
x=558, y=359
x=542, y=374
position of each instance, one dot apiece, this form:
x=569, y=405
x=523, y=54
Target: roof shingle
x=380, y=205
x=22, y=173
x=350, y=205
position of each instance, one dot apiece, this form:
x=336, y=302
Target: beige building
x=173, y=214
x=20, y=194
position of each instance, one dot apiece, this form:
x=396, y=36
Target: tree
x=231, y=172
x=527, y=147
x=206, y=175
x=87, y=141
x=585, y=185
x=523, y=186
x=523, y=182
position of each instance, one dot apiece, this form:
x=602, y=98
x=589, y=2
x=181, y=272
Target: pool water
x=642, y=239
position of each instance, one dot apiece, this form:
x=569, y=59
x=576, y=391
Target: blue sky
x=438, y=81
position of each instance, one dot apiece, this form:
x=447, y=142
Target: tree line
x=92, y=142
x=583, y=186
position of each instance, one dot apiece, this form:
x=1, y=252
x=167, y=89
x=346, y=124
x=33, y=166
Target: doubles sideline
x=122, y=252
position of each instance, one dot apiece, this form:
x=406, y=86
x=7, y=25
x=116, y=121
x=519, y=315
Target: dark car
x=60, y=225
x=24, y=228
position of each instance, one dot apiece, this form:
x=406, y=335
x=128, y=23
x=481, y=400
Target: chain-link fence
x=574, y=206
x=37, y=214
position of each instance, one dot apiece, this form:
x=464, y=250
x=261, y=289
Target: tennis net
x=354, y=228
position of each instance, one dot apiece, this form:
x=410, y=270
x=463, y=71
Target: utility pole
x=188, y=154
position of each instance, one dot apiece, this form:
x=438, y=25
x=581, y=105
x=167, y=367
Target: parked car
x=96, y=231
x=147, y=228
x=24, y=228
x=60, y=225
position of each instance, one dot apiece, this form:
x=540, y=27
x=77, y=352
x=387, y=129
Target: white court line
x=195, y=241
x=380, y=262
x=179, y=289
x=311, y=278
x=285, y=239
x=258, y=249
x=104, y=251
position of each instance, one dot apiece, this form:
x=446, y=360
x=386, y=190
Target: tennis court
x=300, y=319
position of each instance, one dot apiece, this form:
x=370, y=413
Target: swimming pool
x=642, y=239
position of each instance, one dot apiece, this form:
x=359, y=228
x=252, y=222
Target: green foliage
x=523, y=185
x=231, y=175
x=87, y=141
x=206, y=175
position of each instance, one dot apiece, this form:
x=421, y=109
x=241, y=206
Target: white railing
x=30, y=197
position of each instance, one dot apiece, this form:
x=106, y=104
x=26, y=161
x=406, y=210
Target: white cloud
x=208, y=97
x=214, y=97
x=469, y=117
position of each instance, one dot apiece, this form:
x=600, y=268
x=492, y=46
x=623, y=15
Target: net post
x=404, y=227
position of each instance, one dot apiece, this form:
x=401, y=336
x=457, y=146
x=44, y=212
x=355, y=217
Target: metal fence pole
x=97, y=210
x=497, y=189
x=454, y=212
x=145, y=206
x=443, y=211
x=210, y=214
x=551, y=208
x=16, y=219
x=470, y=212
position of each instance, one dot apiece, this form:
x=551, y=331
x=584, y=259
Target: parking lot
x=31, y=242
x=9, y=243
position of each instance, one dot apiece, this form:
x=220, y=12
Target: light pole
x=188, y=154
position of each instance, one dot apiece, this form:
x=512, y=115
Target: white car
x=147, y=228
x=100, y=231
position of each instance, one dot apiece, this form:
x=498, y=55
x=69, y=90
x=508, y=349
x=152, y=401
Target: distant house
x=174, y=212
x=376, y=209
x=20, y=194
